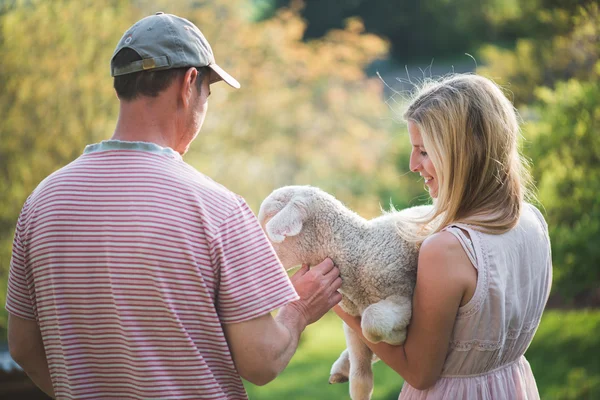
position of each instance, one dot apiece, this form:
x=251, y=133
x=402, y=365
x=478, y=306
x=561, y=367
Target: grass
x=564, y=357
x=307, y=375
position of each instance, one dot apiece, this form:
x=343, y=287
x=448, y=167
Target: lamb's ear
x=287, y=222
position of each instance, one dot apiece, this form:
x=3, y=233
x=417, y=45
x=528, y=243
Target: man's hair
x=147, y=83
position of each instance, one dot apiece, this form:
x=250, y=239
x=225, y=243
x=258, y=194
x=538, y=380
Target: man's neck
x=144, y=121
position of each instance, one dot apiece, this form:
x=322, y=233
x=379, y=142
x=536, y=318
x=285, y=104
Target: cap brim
x=223, y=76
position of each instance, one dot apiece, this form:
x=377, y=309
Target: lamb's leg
x=340, y=370
x=360, y=371
x=387, y=320
x=341, y=367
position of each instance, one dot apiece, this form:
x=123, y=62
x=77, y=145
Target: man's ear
x=187, y=86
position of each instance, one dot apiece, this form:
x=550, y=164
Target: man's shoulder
x=204, y=186
x=55, y=177
x=164, y=178
x=145, y=166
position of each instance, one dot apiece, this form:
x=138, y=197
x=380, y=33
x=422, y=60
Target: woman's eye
x=423, y=154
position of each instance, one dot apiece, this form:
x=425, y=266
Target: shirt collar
x=107, y=145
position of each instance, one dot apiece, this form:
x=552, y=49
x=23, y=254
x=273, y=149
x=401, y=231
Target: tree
x=56, y=95
x=565, y=149
x=416, y=29
x=543, y=61
x=306, y=113
x=555, y=81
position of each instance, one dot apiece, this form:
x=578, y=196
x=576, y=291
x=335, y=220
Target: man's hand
x=263, y=346
x=318, y=290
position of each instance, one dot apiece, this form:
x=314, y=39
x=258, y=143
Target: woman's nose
x=414, y=163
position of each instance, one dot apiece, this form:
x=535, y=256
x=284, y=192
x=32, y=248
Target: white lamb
x=378, y=268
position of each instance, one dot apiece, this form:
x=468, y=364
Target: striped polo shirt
x=130, y=261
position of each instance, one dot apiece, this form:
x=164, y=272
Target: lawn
x=564, y=356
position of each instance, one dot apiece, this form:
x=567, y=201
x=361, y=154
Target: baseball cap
x=166, y=41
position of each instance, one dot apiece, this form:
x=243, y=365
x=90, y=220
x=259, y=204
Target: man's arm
x=26, y=348
x=262, y=347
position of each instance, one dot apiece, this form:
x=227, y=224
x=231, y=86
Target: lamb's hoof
x=338, y=378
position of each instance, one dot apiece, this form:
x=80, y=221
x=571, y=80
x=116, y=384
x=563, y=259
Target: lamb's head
x=286, y=216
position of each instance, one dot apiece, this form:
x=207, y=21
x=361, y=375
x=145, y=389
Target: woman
x=484, y=271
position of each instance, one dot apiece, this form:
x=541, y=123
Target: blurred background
x=323, y=88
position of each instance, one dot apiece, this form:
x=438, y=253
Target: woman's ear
x=287, y=222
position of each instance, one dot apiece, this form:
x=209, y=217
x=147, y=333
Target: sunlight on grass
x=564, y=357
x=307, y=375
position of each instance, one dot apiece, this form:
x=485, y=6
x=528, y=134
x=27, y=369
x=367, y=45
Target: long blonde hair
x=470, y=132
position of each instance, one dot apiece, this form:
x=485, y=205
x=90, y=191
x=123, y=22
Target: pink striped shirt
x=131, y=260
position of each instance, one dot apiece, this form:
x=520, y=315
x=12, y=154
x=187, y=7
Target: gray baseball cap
x=167, y=41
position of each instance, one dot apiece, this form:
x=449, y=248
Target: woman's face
x=419, y=160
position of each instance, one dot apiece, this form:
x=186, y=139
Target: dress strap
x=472, y=242
x=465, y=241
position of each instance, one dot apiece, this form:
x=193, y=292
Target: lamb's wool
x=378, y=268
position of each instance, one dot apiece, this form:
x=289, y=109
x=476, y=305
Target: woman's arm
x=444, y=276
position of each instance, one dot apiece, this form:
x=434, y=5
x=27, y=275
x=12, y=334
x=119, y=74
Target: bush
x=565, y=149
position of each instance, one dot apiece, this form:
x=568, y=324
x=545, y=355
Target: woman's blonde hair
x=470, y=132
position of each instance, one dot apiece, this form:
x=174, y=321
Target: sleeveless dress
x=492, y=331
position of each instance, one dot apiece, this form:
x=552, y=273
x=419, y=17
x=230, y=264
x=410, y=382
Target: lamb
x=378, y=268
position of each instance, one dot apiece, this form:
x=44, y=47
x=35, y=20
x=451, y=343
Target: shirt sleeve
x=18, y=297
x=252, y=280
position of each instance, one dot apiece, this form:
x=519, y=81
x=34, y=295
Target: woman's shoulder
x=444, y=258
x=440, y=242
x=535, y=211
x=444, y=249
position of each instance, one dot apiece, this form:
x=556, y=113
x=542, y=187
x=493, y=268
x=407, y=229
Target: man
x=135, y=276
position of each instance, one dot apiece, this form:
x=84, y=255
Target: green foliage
x=306, y=113
x=572, y=51
x=565, y=149
x=56, y=96
x=416, y=29
x=555, y=79
x=419, y=30
x=535, y=19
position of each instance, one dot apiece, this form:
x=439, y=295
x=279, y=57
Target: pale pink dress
x=492, y=331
